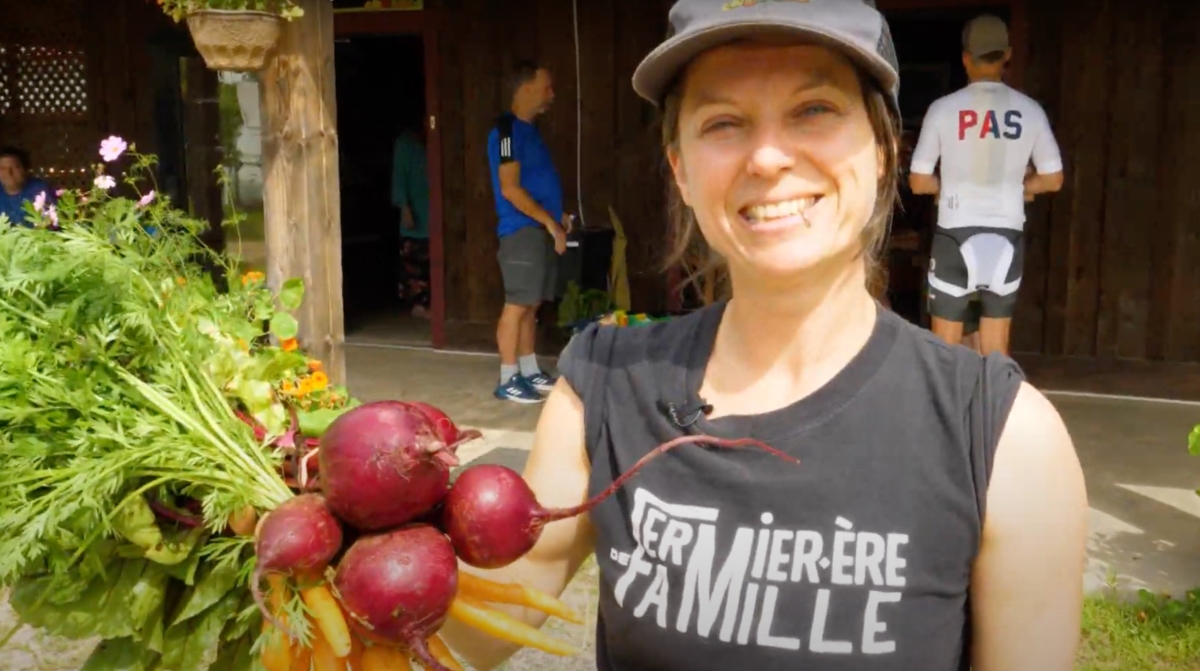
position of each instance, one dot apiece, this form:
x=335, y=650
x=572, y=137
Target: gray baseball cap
x=853, y=27
x=985, y=34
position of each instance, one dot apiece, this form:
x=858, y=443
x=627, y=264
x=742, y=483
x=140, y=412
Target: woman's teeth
x=787, y=208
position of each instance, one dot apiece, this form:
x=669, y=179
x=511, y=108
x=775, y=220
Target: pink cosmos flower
x=146, y=199
x=105, y=182
x=39, y=202
x=112, y=147
x=52, y=212
x=59, y=193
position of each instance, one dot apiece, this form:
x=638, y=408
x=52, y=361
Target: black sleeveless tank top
x=858, y=558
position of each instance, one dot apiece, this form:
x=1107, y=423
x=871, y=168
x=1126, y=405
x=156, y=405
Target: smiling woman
x=819, y=103
x=938, y=511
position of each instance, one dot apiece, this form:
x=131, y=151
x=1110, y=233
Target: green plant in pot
x=234, y=35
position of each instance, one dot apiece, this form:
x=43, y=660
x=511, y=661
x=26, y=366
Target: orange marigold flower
x=289, y=345
x=319, y=380
x=288, y=386
x=306, y=387
x=181, y=281
x=252, y=276
x=316, y=366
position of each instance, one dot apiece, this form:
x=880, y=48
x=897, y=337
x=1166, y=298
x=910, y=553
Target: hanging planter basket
x=235, y=40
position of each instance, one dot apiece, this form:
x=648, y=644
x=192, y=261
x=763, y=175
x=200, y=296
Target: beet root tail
x=256, y=591
x=555, y=514
x=465, y=436
x=420, y=650
x=445, y=458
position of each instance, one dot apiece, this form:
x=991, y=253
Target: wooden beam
x=301, y=199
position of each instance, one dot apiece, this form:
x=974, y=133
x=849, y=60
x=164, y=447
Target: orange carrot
x=301, y=657
x=329, y=617
x=323, y=656
x=278, y=649
x=383, y=658
x=506, y=628
x=276, y=652
x=354, y=662
x=279, y=593
x=440, y=652
x=482, y=589
x=244, y=521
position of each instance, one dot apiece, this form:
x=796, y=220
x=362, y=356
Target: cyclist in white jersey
x=984, y=135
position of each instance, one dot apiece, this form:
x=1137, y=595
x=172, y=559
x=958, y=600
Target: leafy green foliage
x=142, y=404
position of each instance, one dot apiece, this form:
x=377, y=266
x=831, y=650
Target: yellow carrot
x=328, y=615
x=506, y=628
x=440, y=652
x=276, y=652
x=482, y=589
x=383, y=658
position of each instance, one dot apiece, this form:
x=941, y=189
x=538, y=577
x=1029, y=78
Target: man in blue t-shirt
x=18, y=188
x=532, y=228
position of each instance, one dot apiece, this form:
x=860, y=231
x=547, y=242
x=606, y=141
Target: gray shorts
x=529, y=266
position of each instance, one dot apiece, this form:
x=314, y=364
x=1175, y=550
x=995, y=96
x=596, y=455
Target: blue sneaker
x=542, y=382
x=518, y=390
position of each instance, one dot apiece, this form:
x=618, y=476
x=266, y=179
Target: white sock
x=507, y=372
x=529, y=365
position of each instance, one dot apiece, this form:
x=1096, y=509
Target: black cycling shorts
x=976, y=262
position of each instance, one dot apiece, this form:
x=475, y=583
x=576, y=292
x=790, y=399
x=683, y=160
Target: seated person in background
x=17, y=187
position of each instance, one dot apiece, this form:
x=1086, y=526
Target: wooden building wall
x=1112, y=267
x=72, y=72
x=621, y=162
x=75, y=71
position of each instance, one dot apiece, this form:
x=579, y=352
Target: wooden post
x=302, y=197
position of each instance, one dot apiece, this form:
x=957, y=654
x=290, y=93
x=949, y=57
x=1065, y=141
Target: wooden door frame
x=424, y=22
x=1018, y=25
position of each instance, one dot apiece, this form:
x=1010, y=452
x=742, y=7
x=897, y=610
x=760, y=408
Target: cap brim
x=660, y=67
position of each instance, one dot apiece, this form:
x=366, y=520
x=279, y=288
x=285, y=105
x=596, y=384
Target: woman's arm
x=558, y=472
x=1027, y=587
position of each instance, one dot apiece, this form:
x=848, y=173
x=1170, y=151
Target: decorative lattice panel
x=51, y=81
x=6, y=97
x=44, y=90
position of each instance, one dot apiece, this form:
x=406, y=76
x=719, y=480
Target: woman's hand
x=1027, y=586
x=557, y=472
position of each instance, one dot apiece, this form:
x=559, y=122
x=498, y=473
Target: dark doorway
x=929, y=49
x=380, y=95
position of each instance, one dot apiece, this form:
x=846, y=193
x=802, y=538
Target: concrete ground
x=1141, y=482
